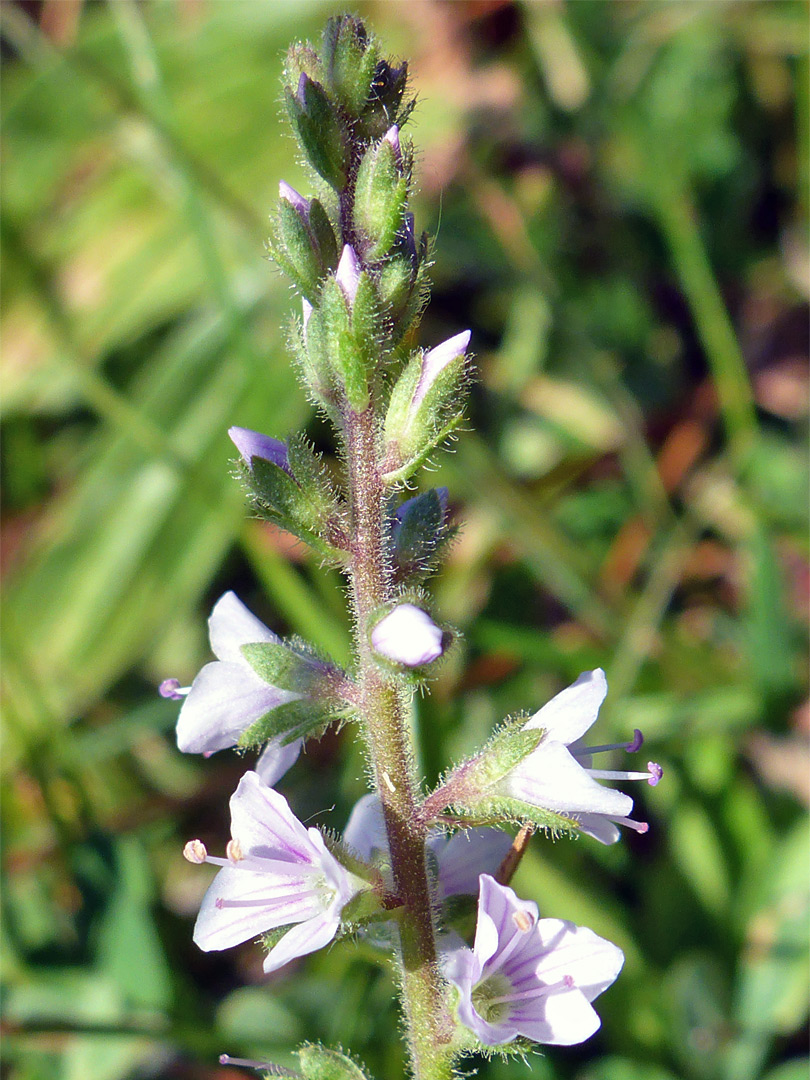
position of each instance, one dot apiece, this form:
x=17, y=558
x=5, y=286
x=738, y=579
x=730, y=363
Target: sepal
x=349, y=58
x=426, y=404
x=343, y=337
x=305, y=248
x=320, y=131
x=300, y=719
x=419, y=533
x=281, y=665
x=381, y=192
x=322, y=1063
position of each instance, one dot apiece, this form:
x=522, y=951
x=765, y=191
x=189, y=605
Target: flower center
x=491, y=997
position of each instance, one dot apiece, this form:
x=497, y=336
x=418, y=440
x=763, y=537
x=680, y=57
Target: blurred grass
x=619, y=197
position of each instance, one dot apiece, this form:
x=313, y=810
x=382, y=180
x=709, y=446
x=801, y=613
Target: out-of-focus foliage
x=619, y=196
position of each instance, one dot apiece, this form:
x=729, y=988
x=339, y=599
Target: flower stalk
x=386, y=730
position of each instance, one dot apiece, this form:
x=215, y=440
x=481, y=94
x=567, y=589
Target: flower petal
x=580, y=954
x=562, y=1018
x=276, y=759
x=573, y=710
x=231, y=625
x=264, y=825
x=305, y=938
x=365, y=829
x=465, y=855
x=600, y=827
x=241, y=904
x=551, y=778
x=224, y=700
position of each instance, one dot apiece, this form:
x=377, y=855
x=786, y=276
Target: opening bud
x=407, y=635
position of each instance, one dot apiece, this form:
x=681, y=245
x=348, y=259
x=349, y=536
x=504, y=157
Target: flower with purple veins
x=277, y=873
x=459, y=858
x=527, y=976
x=227, y=696
x=557, y=775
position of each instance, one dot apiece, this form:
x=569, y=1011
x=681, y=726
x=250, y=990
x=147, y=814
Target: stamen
x=171, y=688
x=637, y=743
x=620, y=774
x=233, y=849
x=536, y=991
x=244, y=1063
x=656, y=772
x=631, y=747
x=195, y=851
x=636, y=826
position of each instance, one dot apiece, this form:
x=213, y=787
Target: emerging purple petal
x=435, y=361
x=347, y=274
x=392, y=137
x=408, y=636
x=294, y=198
x=529, y=976
x=251, y=444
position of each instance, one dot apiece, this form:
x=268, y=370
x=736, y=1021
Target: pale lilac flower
x=251, y=444
x=529, y=976
x=557, y=775
x=277, y=873
x=435, y=361
x=459, y=858
x=347, y=274
x=408, y=636
x=227, y=696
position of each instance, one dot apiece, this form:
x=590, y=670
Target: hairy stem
x=429, y=1028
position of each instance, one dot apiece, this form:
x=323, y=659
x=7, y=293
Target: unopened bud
x=251, y=444
x=347, y=274
x=407, y=635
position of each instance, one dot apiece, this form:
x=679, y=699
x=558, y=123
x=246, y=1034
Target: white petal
x=551, y=778
x=264, y=825
x=276, y=759
x=231, y=625
x=223, y=702
x=280, y=899
x=573, y=710
x=466, y=855
x=365, y=829
x=575, y=951
x=407, y=635
x=305, y=938
x=598, y=826
x=563, y=1018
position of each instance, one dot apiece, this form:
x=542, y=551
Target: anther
x=171, y=688
x=233, y=849
x=195, y=851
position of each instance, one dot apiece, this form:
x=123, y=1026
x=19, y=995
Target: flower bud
x=251, y=444
x=347, y=274
x=408, y=636
x=426, y=404
x=381, y=192
x=349, y=59
x=320, y=130
x=306, y=248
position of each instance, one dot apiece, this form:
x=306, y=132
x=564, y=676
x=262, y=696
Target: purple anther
x=637, y=743
x=170, y=688
x=656, y=772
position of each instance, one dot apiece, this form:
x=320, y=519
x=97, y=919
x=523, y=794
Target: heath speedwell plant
x=352, y=253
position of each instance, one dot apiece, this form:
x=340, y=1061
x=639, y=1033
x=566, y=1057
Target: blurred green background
x=619, y=196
